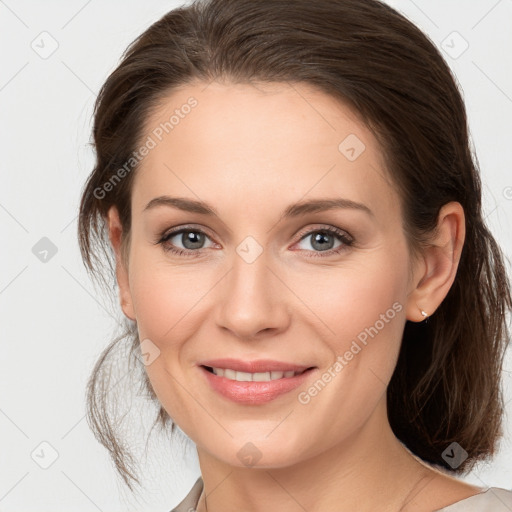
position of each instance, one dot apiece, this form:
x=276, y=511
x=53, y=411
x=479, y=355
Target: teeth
x=257, y=377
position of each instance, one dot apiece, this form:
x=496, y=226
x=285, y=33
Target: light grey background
x=54, y=321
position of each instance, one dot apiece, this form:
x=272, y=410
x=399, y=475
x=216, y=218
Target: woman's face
x=261, y=278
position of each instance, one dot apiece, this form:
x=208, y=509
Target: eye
x=323, y=240
x=192, y=240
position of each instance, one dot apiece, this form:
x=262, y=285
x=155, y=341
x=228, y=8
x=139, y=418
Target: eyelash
x=345, y=238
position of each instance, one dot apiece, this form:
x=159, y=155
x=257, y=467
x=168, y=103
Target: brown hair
x=446, y=385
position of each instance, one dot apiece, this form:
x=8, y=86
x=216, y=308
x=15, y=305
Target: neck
x=369, y=470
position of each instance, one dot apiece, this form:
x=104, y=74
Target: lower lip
x=254, y=392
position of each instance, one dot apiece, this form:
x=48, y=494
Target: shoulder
x=493, y=499
x=191, y=500
x=439, y=492
x=444, y=493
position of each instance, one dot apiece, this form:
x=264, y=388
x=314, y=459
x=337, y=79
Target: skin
x=250, y=151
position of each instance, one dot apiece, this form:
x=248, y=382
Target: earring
x=425, y=316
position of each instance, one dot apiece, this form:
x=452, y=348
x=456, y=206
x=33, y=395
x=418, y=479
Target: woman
x=310, y=288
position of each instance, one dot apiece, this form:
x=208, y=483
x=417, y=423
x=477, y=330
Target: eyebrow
x=293, y=210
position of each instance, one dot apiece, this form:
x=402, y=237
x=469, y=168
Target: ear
x=114, y=232
x=436, y=272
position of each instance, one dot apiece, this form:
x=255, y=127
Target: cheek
x=167, y=300
x=164, y=295
x=362, y=306
x=364, y=310
x=156, y=307
x=366, y=300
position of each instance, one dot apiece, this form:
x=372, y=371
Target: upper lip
x=257, y=366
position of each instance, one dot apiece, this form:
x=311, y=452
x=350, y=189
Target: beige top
x=493, y=499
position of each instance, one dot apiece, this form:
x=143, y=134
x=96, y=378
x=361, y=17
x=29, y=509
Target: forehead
x=219, y=141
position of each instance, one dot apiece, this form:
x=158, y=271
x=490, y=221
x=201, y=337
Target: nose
x=254, y=300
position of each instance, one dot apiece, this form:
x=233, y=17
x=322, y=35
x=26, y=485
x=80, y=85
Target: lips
x=254, y=393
